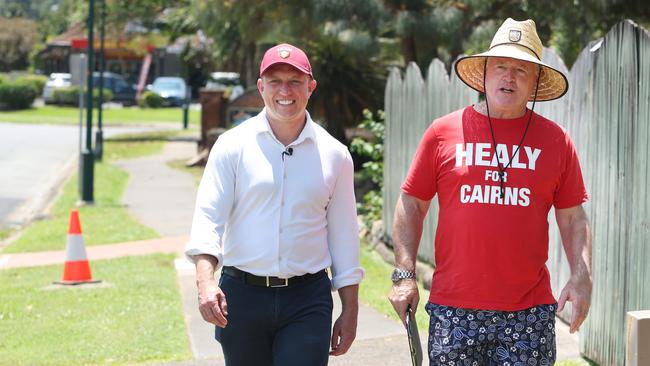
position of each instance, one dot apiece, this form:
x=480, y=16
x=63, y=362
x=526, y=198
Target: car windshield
x=60, y=77
x=166, y=85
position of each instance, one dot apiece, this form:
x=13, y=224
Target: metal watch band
x=402, y=274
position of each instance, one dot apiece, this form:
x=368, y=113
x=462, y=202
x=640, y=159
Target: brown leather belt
x=270, y=281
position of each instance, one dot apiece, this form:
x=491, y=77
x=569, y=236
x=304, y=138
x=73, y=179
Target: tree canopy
x=351, y=43
x=17, y=38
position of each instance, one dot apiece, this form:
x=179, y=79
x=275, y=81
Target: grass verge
x=575, y=362
x=5, y=233
x=137, y=319
x=131, y=146
x=196, y=172
x=107, y=221
x=116, y=116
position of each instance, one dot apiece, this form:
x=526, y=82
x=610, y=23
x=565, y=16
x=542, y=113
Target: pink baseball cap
x=286, y=54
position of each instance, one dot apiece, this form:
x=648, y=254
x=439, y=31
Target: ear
x=311, y=86
x=260, y=85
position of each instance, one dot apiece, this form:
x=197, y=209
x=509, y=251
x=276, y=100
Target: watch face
x=400, y=274
x=397, y=275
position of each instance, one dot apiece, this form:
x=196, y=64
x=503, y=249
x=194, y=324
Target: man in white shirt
x=275, y=208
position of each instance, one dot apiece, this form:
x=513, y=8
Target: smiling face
x=508, y=85
x=285, y=91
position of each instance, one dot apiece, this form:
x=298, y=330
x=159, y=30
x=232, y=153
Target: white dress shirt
x=274, y=214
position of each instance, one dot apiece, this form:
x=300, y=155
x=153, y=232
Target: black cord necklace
x=502, y=169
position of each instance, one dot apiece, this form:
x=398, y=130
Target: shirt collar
x=307, y=132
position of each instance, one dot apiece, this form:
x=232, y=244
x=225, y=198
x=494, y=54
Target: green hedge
x=16, y=95
x=70, y=96
x=151, y=100
x=36, y=81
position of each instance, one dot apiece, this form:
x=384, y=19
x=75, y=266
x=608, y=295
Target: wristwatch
x=401, y=274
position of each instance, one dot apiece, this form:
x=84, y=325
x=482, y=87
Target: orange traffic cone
x=76, y=269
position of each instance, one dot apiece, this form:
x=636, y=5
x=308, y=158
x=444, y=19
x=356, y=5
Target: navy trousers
x=284, y=326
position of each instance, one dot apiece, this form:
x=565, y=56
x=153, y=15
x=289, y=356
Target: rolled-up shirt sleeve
x=343, y=229
x=214, y=202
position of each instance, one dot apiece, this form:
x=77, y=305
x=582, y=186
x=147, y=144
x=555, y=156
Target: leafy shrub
x=66, y=96
x=16, y=95
x=36, y=81
x=70, y=96
x=151, y=100
x=373, y=169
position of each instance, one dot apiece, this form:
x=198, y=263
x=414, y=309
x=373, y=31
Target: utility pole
x=87, y=156
x=186, y=105
x=99, y=135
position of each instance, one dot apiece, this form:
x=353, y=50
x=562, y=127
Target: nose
x=510, y=74
x=284, y=87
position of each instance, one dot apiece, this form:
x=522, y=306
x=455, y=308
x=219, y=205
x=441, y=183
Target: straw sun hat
x=517, y=40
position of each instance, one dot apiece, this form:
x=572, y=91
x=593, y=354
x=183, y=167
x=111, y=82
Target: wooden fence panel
x=392, y=138
x=557, y=111
x=616, y=171
x=411, y=105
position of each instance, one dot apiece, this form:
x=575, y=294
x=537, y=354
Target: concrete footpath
x=163, y=199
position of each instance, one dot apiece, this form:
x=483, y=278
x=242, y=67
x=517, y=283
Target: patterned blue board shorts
x=467, y=337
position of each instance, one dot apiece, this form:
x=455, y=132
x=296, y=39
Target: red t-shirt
x=491, y=253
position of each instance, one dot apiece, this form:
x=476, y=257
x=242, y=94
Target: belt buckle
x=285, y=284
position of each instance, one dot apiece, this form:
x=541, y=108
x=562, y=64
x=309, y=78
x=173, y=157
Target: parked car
x=222, y=80
x=172, y=89
x=122, y=91
x=55, y=81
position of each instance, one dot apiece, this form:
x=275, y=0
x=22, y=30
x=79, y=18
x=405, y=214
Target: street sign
x=78, y=67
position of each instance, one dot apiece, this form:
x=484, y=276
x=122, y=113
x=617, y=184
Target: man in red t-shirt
x=497, y=168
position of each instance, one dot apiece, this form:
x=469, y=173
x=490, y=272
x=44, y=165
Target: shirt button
x=280, y=230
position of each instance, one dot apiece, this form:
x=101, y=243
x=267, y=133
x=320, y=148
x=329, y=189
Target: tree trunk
x=334, y=119
x=251, y=72
x=408, y=49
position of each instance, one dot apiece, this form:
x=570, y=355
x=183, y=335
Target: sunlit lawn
x=105, y=222
x=575, y=362
x=196, y=172
x=137, y=318
x=113, y=116
x=4, y=233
